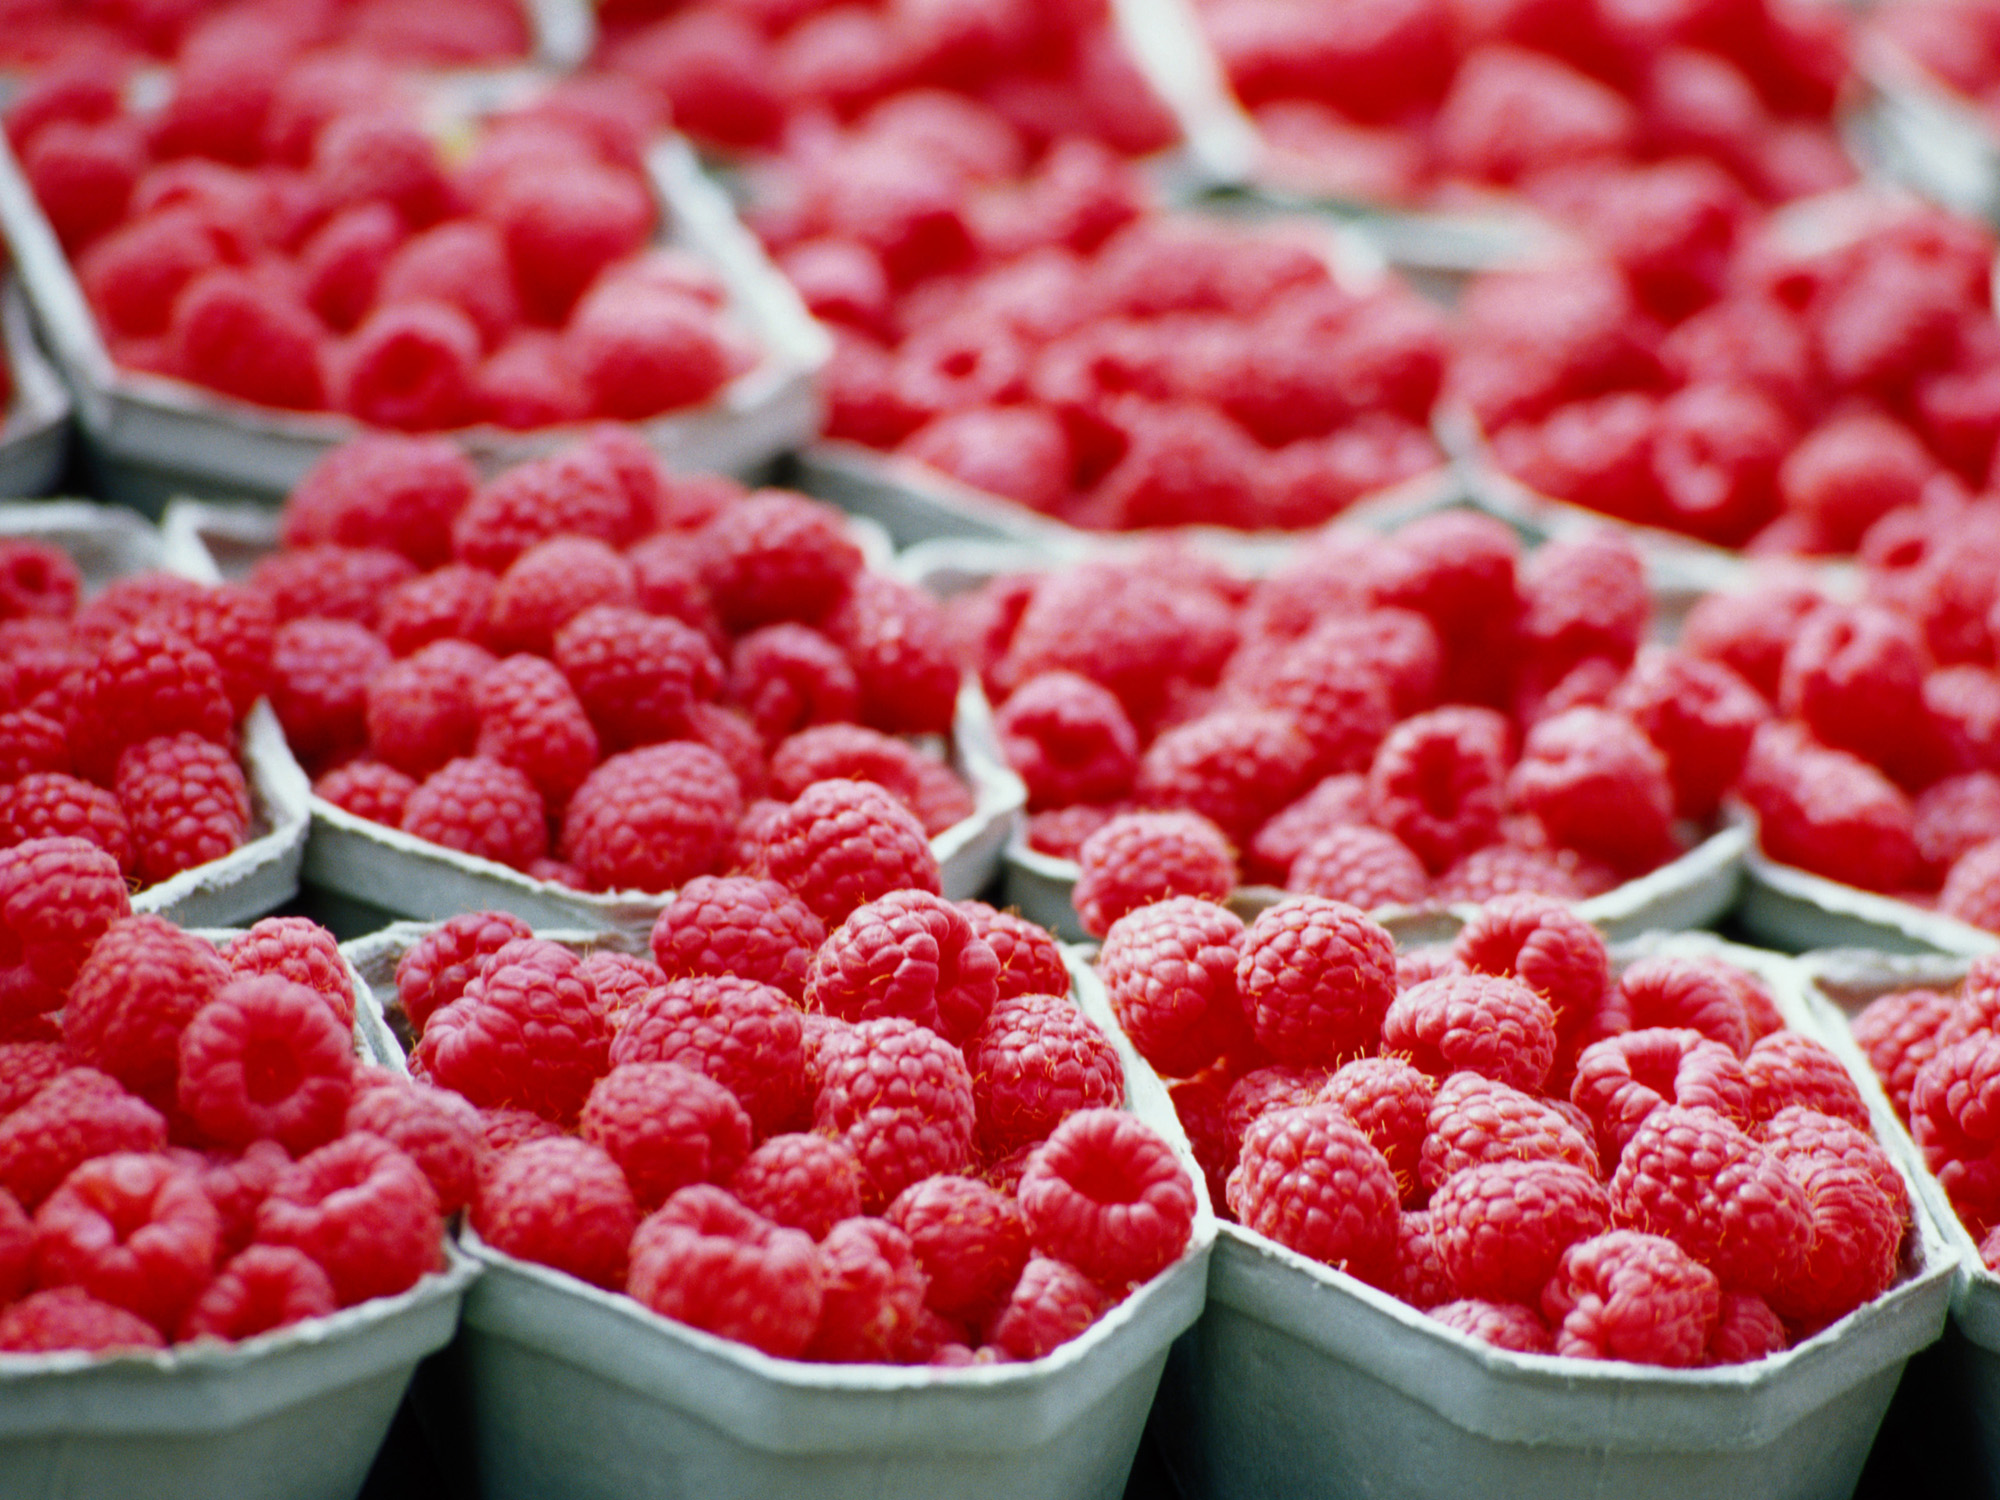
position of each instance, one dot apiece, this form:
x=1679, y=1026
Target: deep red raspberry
x=529, y=1031
x=1337, y=698
x=1260, y=1091
x=482, y=808
x=529, y=718
x=1035, y=1061
x=574, y=492
x=1632, y=1296
x=131, y=1229
x=1502, y=1226
x=449, y=603
x=1745, y=1329
x=1475, y=1121
x=1170, y=971
x=79, y=1115
x=1700, y=715
x=264, y=1287
x=909, y=954
x=1953, y=1123
x=1070, y=740
x=1581, y=598
x=57, y=897
x=319, y=685
x=1437, y=782
x=1315, y=979
x=731, y=736
x=37, y=580
x=875, y=1287
x=1031, y=961
x=367, y=789
x=436, y=1129
x=1623, y=1079
x=1598, y=785
x=706, y=1260
x=777, y=556
x=842, y=843
x=1201, y=1105
x=1417, y=1276
x=802, y=1181
x=31, y=742
x=1547, y=947
x=666, y=1126
x=1677, y=992
x=438, y=966
x=621, y=981
x=504, y=1129
x=1061, y=832
x=1828, y=812
x=1750, y=632
x=1854, y=676
x=918, y=780
x=1788, y=1068
x=744, y=1035
x=564, y=226
x=1899, y=1034
x=248, y=336
x=1234, y=767
x=549, y=585
x=1105, y=1194
x=383, y=490
x=420, y=709
x=25, y=1067
x=1489, y=1025
x=894, y=634
x=1051, y=1304
x=68, y=1317
x=1971, y=890
x=234, y=624
x=559, y=1202
x=50, y=805
x=187, y=800
x=1504, y=1325
x=1391, y=1102
x=1857, y=1228
x=1955, y=815
x=788, y=676
x=1309, y=1179
x=1360, y=866
x=901, y=1098
x=972, y=1241
x=363, y=1210
x=298, y=949
x=741, y=925
x=143, y=982
x=266, y=1060
x=331, y=582
x=649, y=819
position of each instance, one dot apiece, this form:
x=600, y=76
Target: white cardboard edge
x=150, y=431
x=1164, y=38
x=1609, y=1405
x=1913, y=126
x=261, y=874
x=564, y=32
x=786, y=1405
x=34, y=433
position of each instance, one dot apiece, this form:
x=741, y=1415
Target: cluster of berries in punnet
x=120, y=714
x=1431, y=717
x=598, y=673
x=448, y=33
x=1646, y=1167
x=285, y=231
x=830, y=1121
x=189, y=1148
x=1938, y=1057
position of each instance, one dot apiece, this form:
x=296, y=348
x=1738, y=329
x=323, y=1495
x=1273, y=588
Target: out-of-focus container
x=34, y=428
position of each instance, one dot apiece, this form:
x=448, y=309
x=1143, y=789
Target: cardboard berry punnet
x=34, y=426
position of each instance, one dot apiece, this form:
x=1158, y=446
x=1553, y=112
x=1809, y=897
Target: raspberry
x=1501, y=1226
x=1828, y=812
x=264, y=1287
x=1854, y=671
x=384, y=490
x=842, y=843
x=437, y=1130
x=1745, y=1329
x=1750, y=632
x=68, y=1317
x=706, y=1260
x=31, y=742
x=462, y=264
x=1950, y=1122
x=381, y=156
x=1233, y=767
x=1069, y=739
x=1700, y=715
x=420, y=709
x=319, y=685
x=24, y=1068
x=744, y=1035
x=1035, y=1061
x=1259, y=1092
x=1106, y=1195
x=266, y=1060
x=1582, y=598
x=529, y=718
x=1360, y=866
x=1691, y=994
x=1954, y=816
x=1391, y=1102
x=1437, y=780
x=1898, y=1033
x=143, y=982
x=134, y=1230
x=788, y=676
x=649, y=819
x=1030, y=959
x=188, y=803
x=909, y=954
x=77, y=1116
x=437, y=967
x=504, y=1129
x=1547, y=947
x=1309, y=1179
x=875, y=1290
x=1631, y=1296
x=1621, y=1080
x=1316, y=978
x=1140, y=858
x=1857, y=1227
x=1170, y=971
x=901, y=1098
x=148, y=681
x=1335, y=802
x=341, y=265
x=1052, y=1303
x=529, y=1031
x=482, y=808
x=560, y=1202
x=636, y=675
x=1061, y=832
x=1474, y=1121
x=1972, y=887
x=971, y=1240
x=563, y=227
x=621, y=981
x=363, y=1210
x=1849, y=472
x=1417, y=1276
x=249, y=337
x=739, y=925
x=1787, y=1069
x=1504, y=1325
x=666, y=1126
x=551, y=583
x=574, y=492
x=777, y=556
x=803, y=1182
x=830, y=752
x=1694, y=1176
x=1598, y=785
x=49, y=805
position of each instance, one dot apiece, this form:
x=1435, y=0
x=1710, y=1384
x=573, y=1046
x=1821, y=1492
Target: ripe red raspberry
x=1501, y=1226
x=68, y=1317
x=319, y=685
x=1360, y=866
x=745, y=1035
x=1030, y=959
x=665, y=566
x=79, y=1115
x=972, y=1241
x=449, y=603
x=666, y=1126
x=1623, y=1079
x=777, y=556
x=1140, y=858
x=1234, y=767
x=1070, y=740
x=549, y=585
x=420, y=709
x=1632, y=1296
x=1315, y=978
x=894, y=634
x=436, y=1129
x=1479, y=1022
x=1750, y=632
x=649, y=819
x=1956, y=815
x=331, y=582
x=706, y=1260
x=621, y=981
x=503, y=1129
x=562, y=227
x=1337, y=699
x=1700, y=715
x=731, y=736
x=875, y=1288
x=1437, y=782
x=741, y=925
x=829, y=752
x=438, y=966
x=262, y=1288
x=788, y=676
x=1788, y=1068
x=1745, y=1329
x=266, y=1060
x=1686, y=993
x=1504, y=1325
x=637, y=675
x=901, y=1098
x=1391, y=1102
x=1972, y=887
x=37, y=580
x=363, y=1210
x=1417, y=1276
x=249, y=336
x=573, y=492
x=1899, y=1034
x=31, y=742
x=1855, y=676
x=1582, y=598
x=1036, y=1060
x=57, y=897
x=25, y=1067
x=1170, y=972
x=131, y=1229
x=1598, y=785
x=529, y=718
x=50, y=805
x=1105, y=1194
x=1052, y=1303
x=367, y=789
x=235, y=625
x=1857, y=1226
x=1474, y=1121
x=560, y=1202
x=1828, y=812
x=528, y=1032
x=1693, y=1176
x=482, y=808
x=842, y=843
x=149, y=680
x=383, y=490
x=1952, y=1124
x=1964, y=708
x=143, y=982
x=187, y=800
x=637, y=350
x=298, y=949
x=1547, y=947
x=802, y=1181
x=909, y=954
x=1309, y=1179
x=1260, y=1091
x=1061, y=832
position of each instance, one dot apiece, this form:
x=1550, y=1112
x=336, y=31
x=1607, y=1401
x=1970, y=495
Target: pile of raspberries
x=119, y=717
x=445, y=33
x=1430, y=717
x=286, y=232
x=1649, y=1168
x=189, y=1149
x=877, y=1132
x=1939, y=1061
x=593, y=671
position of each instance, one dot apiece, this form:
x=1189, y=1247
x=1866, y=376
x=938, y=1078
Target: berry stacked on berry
x=1647, y=1168
x=77, y=42
x=188, y=1147
x=596, y=672
x=284, y=231
x=1434, y=717
x=119, y=714
x=855, y=1130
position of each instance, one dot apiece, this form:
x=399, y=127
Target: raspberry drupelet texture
x=746, y=1036
x=1952, y=1121
x=649, y=819
x=1050, y=1304
x=383, y=489
x=1480, y=1023
x=550, y=584
x=363, y=1210
x=480, y=807
x=777, y=556
x=788, y=676
x=909, y=954
x=78, y=1115
x=331, y=582
x=133, y=1230
x=894, y=634
x=572, y=492
x=1745, y=1329
x=637, y=675
x=1334, y=802
x=1898, y=1034
x=187, y=801
x=266, y=1059
x=420, y=709
x=1701, y=716
x=1234, y=767
x=972, y=1241
x=438, y=966
x=1105, y=1194
x=1504, y=1325
x=1546, y=946
x=450, y=603
x=1438, y=783
x=1632, y=1296
x=1391, y=1101
x=1364, y=867
x=368, y=789
x=705, y=1260
x=263, y=1287
x=52, y=805
x=901, y=1098
x=1474, y=1120
x=1623, y=1079
x=560, y=1202
x=803, y=1181
x=1502, y=1226
x=842, y=843
x=320, y=671
x=438, y=1130
x=1788, y=1068
x=143, y=982
x=1069, y=739
x=58, y=896
x=1170, y=971
x=741, y=925
x=920, y=781
x=1598, y=785
x=68, y=1317
x=1312, y=1181
x=1857, y=1227
x=298, y=949
x=1035, y=1061
x=666, y=1126
x=1669, y=991
x=875, y=1287
x=528, y=1032
x=1030, y=959
x=149, y=680
x=1140, y=858
x=1315, y=979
